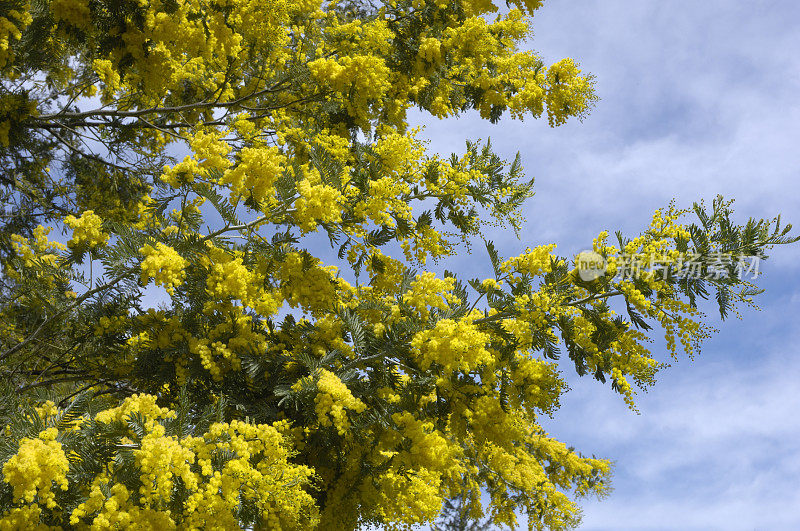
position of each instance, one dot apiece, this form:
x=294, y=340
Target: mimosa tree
x=197, y=150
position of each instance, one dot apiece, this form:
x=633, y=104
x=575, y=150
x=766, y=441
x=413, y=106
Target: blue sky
x=697, y=99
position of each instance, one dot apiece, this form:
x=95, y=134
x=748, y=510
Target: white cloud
x=714, y=447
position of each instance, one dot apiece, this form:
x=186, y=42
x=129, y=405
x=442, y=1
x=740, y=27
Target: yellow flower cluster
x=40, y=248
x=193, y=482
x=259, y=471
x=210, y=152
x=453, y=180
x=318, y=203
x=401, y=156
x=337, y=146
x=46, y=409
x=11, y=26
x=255, y=174
x=686, y=329
x=420, y=465
x=532, y=262
x=37, y=465
x=387, y=279
x=428, y=292
x=191, y=44
x=141, y=404
x=108, y=76
x=360, y=36
x=37, y=249
x=426, y=242
x=533, y=311
x=430, y=49
x=678, y=318
x=160, y=460
x=623, y=386
x=160, y=330
x=75, y=12
x=311, y=287
x=361, y=78
x=454, y=345
x=428, y=447
x=491, y=284
x=333, y=400
x=163, y=264
x=384, y=199
x=87, y=230
x=117, y=510
x=232, y=279
x=568, y=93
x=404, y=499
x=538, y=383
x=216, y=357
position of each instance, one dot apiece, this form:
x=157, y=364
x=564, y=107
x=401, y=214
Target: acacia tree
x=201, y=148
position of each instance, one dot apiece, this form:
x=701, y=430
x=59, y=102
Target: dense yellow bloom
x=108, y=76
x=318, y=203
x=333, y=400
x=11, y=26
x=455, y=345
x=255, y=470
x=538, y=383
x=255, y=174
x=388, y=278
x=144, y=405
x=428, y=292
x=430, y=49
x=24, y=517
x=385, y=199
x=428, y=447
x=160, y=459
x=210, y=153
x=409, y=498
x=37, y=465
x=232, y=279
x=307, y=284
x=86, y=230
x=33, y=250
x=364, y=78
x=532, y=262
x=567, y=92
x=40, y=248
x=118, y=510
x=163, y=264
